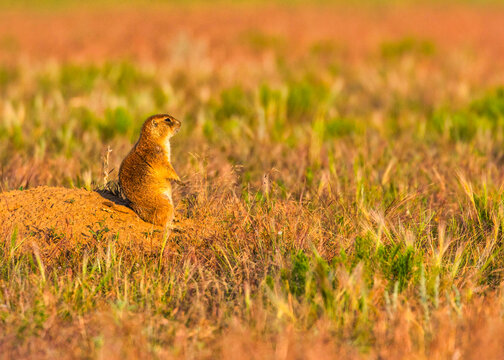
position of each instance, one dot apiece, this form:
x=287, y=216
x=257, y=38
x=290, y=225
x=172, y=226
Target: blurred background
x=76, y=77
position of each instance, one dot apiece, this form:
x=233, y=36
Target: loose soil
x=50, y=217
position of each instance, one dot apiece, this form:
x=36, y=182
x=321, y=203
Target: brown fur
x=146, y=173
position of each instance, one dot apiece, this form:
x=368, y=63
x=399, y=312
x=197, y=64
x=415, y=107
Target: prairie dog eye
x=168, y=120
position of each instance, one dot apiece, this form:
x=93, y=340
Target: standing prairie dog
x=146, y=172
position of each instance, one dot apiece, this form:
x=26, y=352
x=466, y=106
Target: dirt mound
x=53, y=216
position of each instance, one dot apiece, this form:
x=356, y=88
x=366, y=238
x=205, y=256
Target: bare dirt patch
x=53, y=216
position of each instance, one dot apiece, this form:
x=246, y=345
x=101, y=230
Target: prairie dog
x=146, y=172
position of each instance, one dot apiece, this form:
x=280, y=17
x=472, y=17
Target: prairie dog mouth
x=177, y=127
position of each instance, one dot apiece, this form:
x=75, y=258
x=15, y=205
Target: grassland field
x=348, y=183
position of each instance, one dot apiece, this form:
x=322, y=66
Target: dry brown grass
x=342, y=202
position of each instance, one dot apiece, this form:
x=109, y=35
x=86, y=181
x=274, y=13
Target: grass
x=346, y=209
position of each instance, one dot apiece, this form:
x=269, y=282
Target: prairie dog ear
x=156, y=121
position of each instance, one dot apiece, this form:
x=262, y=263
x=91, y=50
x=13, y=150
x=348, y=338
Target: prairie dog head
x=159, y=128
